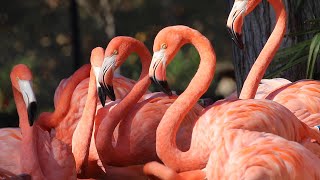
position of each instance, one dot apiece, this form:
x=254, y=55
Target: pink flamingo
x=246, y=154
x=301, y=97
x=137, y=122
x=11, y=141
x=73, y=117
x=251, y=114
x=83, y=130
x=42, y=155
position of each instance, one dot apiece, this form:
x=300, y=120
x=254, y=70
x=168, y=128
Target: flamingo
x=257, y=155
x=137, y=121
x=83, y=145
x=42, y=155
x=251, y=114
x=74, y=113
x=11, y=137
x=83, y=131
x=300, y=97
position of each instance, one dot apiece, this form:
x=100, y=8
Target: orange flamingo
x=11, y=137
x=86, y=159
x=77, y=116
x=301, y=97
x=257, y=155
x=82, y=135
x=42, y=155
x=135, y=142
x=253, y=115
x=83, y=130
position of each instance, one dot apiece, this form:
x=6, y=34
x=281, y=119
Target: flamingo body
x=10, y=144
x=302, y=98
x=260, y=155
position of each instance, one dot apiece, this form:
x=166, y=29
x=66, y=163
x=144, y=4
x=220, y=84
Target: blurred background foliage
x=55, y=37
x=304, y=51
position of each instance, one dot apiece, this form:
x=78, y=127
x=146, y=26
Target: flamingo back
x=10, y=144
x=243, y=154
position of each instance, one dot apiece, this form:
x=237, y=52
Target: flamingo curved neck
x=166, y=132
x=108, y=125
x=259, y=68
x=82, y=135
x=31, y=163
x=22, y=111
x=65, y=99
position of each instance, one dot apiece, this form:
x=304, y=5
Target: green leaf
x=313, y=54
x=311, y=31
x=292, y=62
x=289, y=51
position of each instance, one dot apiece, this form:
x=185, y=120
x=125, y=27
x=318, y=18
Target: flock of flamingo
x=269, y=132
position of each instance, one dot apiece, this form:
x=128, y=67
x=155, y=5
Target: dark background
x=55, y=37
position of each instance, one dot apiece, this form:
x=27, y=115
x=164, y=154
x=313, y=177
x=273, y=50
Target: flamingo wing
x=10, y=145
x=243, y=154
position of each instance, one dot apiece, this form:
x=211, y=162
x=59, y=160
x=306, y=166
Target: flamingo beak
x=157, y=71
x=29, y=99
x=24, y=176
x=105, y=79
x=235, y=22
x=100, y=92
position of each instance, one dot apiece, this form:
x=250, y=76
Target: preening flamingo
x=82, y=135
x=135, y=142
x=42, y=155
x=301, y=97
x=69, y=101
x=253, y=115
x=76, y=104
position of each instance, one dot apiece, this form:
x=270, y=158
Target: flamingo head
x=240, y=9
x=96, y=61
x=116, y=53
x=21, y=78
x=166, y=45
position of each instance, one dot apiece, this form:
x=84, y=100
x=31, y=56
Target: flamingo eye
x=164, y=46
x=115, y=52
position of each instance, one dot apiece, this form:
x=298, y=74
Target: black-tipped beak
x=163, y=85
x=235, y=22
x=105, y=79
x=236, y=37
x=102, y=96
x=108, y=90
x=157, y=71
x=29, y=99
x=24, y=176
x=32, y=111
